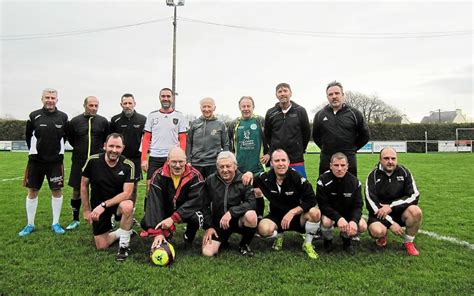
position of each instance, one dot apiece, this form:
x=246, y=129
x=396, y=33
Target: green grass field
x=45, y=264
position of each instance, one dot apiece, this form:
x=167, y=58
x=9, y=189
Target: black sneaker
x=328, y=246
x=347, y=245
x=246, y=251
x=122, y=254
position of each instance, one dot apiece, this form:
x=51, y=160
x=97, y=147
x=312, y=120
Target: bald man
x=173, y=198
x=392, y=201
x=86, y=133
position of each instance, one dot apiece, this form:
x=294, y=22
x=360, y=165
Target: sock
x=56, y=204
x=75, y=206
x=275, y=234
x=31, y=205
x=327, y=232
x=124, y=238
x=408, y=238
x=311, y=229
x=260, y=206
x=247, y=235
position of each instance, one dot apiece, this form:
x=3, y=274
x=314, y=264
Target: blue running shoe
x=73, y=225
x=29, y=228
x=57, y=228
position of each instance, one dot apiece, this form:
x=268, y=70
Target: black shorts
x=35, y=172
x=138, y=168
x=224, y=234
x=154, y=163
x=104, y=224
x=295, y=224
x=76, y=173
x=396, y=216
x=207, y=170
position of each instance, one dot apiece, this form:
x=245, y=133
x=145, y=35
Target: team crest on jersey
x=213, y=132
x=121, y=173
x=175, y=121
x=253, y=126
x=400, y=178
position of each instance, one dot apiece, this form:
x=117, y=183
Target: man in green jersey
x=247, y=141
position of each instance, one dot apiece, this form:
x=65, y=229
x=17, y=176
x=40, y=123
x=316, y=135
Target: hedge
x=15, y=130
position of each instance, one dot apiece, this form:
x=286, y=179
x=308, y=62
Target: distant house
x=399, y=119
x=445, y=117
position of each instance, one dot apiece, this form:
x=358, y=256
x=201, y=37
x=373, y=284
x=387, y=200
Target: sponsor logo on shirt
x=136, y=126
x=347, y=194
x=58, y=125
x=400, y=178
x=121, y=173
x=253, y=126
x=376, y=181
x=325, y=118
x=289, y=193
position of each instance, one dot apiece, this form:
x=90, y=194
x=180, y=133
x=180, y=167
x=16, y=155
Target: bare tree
x=372, y=108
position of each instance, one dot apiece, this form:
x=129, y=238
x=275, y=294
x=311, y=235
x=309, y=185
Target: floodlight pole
x=173, y=79
x=175, y=25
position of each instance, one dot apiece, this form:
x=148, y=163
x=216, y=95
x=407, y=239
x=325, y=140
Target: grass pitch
x=47, y=264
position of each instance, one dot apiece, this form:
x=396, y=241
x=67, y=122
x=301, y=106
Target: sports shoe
x=308, y=248
x=278, y=243
x=411, y=249
x=29, y=228
x=347, y=245
x=73, y=225
x=246, y=251
x=381, y=242
x=122, y=254
x=328, y=246
x=56, y=228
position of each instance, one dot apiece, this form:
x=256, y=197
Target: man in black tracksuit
x=292, y=203
x=86, y=133
x=392, y=201
x=173, y=197
x=228, y=207
x=130, y=124
x=339, y=128
x=287, y=127
x=340, y=201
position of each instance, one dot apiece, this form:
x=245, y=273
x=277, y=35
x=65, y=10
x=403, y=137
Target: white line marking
x=12, y=179
x=448, y=239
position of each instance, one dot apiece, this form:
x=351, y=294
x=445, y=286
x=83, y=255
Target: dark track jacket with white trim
x=339, y=197
x=397, y=190
x=294, y=191
x=46, y=134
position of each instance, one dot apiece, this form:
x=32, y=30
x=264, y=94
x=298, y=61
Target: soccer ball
x=163, y=255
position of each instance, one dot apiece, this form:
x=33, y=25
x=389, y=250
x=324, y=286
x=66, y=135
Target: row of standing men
x=336, y=128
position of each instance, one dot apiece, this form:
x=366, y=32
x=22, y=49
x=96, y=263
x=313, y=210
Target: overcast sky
x=227, y=49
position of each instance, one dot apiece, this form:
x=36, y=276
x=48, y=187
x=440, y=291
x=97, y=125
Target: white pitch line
x=448, y=239
x=12, y=179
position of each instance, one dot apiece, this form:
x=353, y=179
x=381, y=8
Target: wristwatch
x=103, y=204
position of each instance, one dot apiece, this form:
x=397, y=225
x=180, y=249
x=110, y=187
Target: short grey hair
x=207, y=99
x=50, y=91
x=226, y=155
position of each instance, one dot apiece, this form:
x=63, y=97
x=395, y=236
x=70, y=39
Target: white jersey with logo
x=164, y=129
